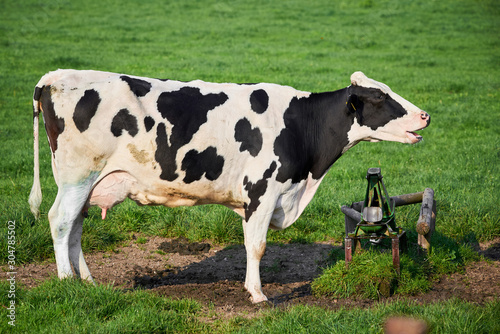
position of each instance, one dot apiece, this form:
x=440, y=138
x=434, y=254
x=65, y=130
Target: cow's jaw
x=399, y=130
x=413, y=137
x=402, y=130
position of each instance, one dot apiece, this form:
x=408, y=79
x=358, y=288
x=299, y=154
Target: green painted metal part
x=378, y=211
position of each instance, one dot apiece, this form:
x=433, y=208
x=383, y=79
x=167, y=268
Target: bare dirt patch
x=214, y=275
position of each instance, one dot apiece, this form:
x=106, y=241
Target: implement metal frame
x=425, y=225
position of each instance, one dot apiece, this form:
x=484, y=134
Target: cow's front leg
x=255, y=231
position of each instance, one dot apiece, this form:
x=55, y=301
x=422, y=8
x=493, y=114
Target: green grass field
x=443, y=56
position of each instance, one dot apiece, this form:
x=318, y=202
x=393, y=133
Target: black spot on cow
x=85, y=109
x=137, y=86
x=123, y=120
x=164, y=154
x=186, y=109
x=149, y=122
x=259, y=101
x=36, y=97
x=206, y=163
x=256, y=190
x=250, y=139
x=372, y=107
x=314, y=136
x=54, y=125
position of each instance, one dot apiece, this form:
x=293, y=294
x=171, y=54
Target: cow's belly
x=115, y=187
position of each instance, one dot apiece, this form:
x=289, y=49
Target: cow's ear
x=357, y=78
x=354, y=104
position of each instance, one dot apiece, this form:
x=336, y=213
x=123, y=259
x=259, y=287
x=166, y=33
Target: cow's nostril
x=425, y=117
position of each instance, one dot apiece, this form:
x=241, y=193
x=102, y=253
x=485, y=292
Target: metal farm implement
x=374, y=218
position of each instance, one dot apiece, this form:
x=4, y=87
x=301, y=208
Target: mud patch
x=215, y=275
x=184, y=247
x=491, y=250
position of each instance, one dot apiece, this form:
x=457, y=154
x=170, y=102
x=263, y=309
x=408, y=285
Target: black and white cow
x=259, y=149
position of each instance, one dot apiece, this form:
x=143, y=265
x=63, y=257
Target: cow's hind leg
x=75, y=250
x=59, y=229
x=66, y=220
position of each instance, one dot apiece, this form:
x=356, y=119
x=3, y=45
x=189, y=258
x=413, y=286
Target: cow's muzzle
x=425, y=120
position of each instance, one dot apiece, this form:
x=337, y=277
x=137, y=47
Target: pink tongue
x=103, y=213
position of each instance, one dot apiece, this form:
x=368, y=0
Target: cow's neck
x=322, y=123
x=334, y=122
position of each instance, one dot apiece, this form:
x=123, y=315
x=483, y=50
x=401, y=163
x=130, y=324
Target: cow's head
x=381, y=114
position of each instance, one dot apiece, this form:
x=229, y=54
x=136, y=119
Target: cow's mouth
x=413, y=136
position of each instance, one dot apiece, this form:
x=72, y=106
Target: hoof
x=264, y=305
x=258, y=299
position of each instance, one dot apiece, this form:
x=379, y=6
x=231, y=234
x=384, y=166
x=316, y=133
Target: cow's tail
x=35, y=198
